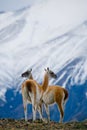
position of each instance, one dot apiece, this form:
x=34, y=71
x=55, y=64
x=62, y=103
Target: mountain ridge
x=27, y=41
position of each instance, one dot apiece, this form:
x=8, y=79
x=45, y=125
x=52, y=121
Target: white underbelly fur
x=48, y=98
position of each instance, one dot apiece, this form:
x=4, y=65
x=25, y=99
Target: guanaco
x=32, y=92
x=54, y=94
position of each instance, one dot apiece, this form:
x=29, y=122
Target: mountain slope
x=30, y=39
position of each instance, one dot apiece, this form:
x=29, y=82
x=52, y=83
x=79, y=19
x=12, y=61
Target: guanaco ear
x=47, y=68
x=30, y=69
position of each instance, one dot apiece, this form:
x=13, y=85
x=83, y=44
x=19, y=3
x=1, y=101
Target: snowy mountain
x=36, y=38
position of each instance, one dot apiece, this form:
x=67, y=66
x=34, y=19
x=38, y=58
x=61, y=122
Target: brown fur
x=45, y=82
x=30, y=84
x=24, y=83
x=30, y=87
x=66, y=94
x=58, y=91
x=56, y=94
x=49, y=94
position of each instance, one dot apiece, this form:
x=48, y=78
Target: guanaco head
x=27, y=73
x=50, y=73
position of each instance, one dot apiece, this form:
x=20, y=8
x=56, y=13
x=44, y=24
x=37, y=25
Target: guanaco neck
x=30, y=77
x=45, y=82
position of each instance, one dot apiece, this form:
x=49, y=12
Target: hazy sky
x=8, y=5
